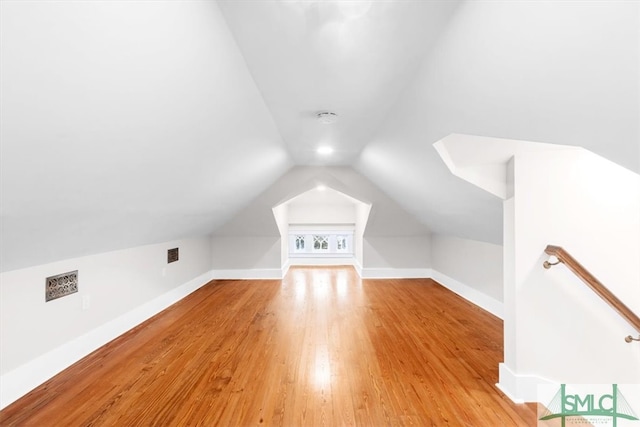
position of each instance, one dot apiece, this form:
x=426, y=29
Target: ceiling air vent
x=172, y=255
x=326, y=117
x=61, y=285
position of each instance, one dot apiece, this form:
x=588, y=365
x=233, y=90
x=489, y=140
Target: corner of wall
x=285, y=267
x=357, y=266
x=520, y=388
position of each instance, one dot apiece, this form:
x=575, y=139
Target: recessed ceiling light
x=321, y=187
x=325, y=150
x=326, y=117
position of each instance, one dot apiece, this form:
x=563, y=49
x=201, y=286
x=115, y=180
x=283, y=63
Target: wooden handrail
x=595, y=285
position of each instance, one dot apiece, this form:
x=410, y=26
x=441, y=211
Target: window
x=320, y=242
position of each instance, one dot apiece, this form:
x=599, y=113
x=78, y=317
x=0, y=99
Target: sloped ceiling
x=124, y=124
x=350, y=57
x=403, y=75
x=552, y=72
x=386, y=218
x=130, y=123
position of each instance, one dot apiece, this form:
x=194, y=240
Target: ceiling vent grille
x=326, y=117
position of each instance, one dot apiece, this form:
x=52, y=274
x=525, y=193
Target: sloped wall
x=124, y=124
x=562, y=72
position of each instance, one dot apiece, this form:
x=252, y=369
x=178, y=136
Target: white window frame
x=332, y=232
x=322, y=238
x=345, y=239
x=299, y=238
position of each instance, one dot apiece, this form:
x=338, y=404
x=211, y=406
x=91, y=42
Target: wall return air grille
x=172, y=255
x=61, y=285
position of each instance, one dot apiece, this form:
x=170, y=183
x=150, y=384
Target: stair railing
x=589, y=279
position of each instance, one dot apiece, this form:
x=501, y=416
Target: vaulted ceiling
x=130, y=123
x=353, y=58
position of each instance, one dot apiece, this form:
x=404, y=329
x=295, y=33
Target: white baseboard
x=248, y=274
x=480, y=299
x=357, y=266
x=18, y=382
x=285, y=268
x=519, y=388
x=395, y=273
x=338, y=261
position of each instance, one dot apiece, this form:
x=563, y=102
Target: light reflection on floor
x=322, y=369
x=315, y=291
x=342, y=285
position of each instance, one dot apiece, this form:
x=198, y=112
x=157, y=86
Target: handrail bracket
x=548, y=264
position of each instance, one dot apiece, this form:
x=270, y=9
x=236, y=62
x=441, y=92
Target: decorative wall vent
x=172, y=255
x=61, y=285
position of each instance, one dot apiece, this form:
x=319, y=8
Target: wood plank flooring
x=320, y=347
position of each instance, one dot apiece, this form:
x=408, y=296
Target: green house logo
x=605, y=406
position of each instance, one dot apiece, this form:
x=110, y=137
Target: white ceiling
x=131, y=123
x=353, y=58
x=124, y=124
x=323, y=195
x=402, y=75
x=553, y=72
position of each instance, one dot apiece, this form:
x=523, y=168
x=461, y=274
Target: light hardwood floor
x=320, y=347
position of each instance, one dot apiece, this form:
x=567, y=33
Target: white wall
x=362, y=217
x=476, y=264
x=322, y=214
x=245, y=252
x=555, y=327
x=397, y=252
x=281, y=215
x=116, y=284
x=471, y=269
